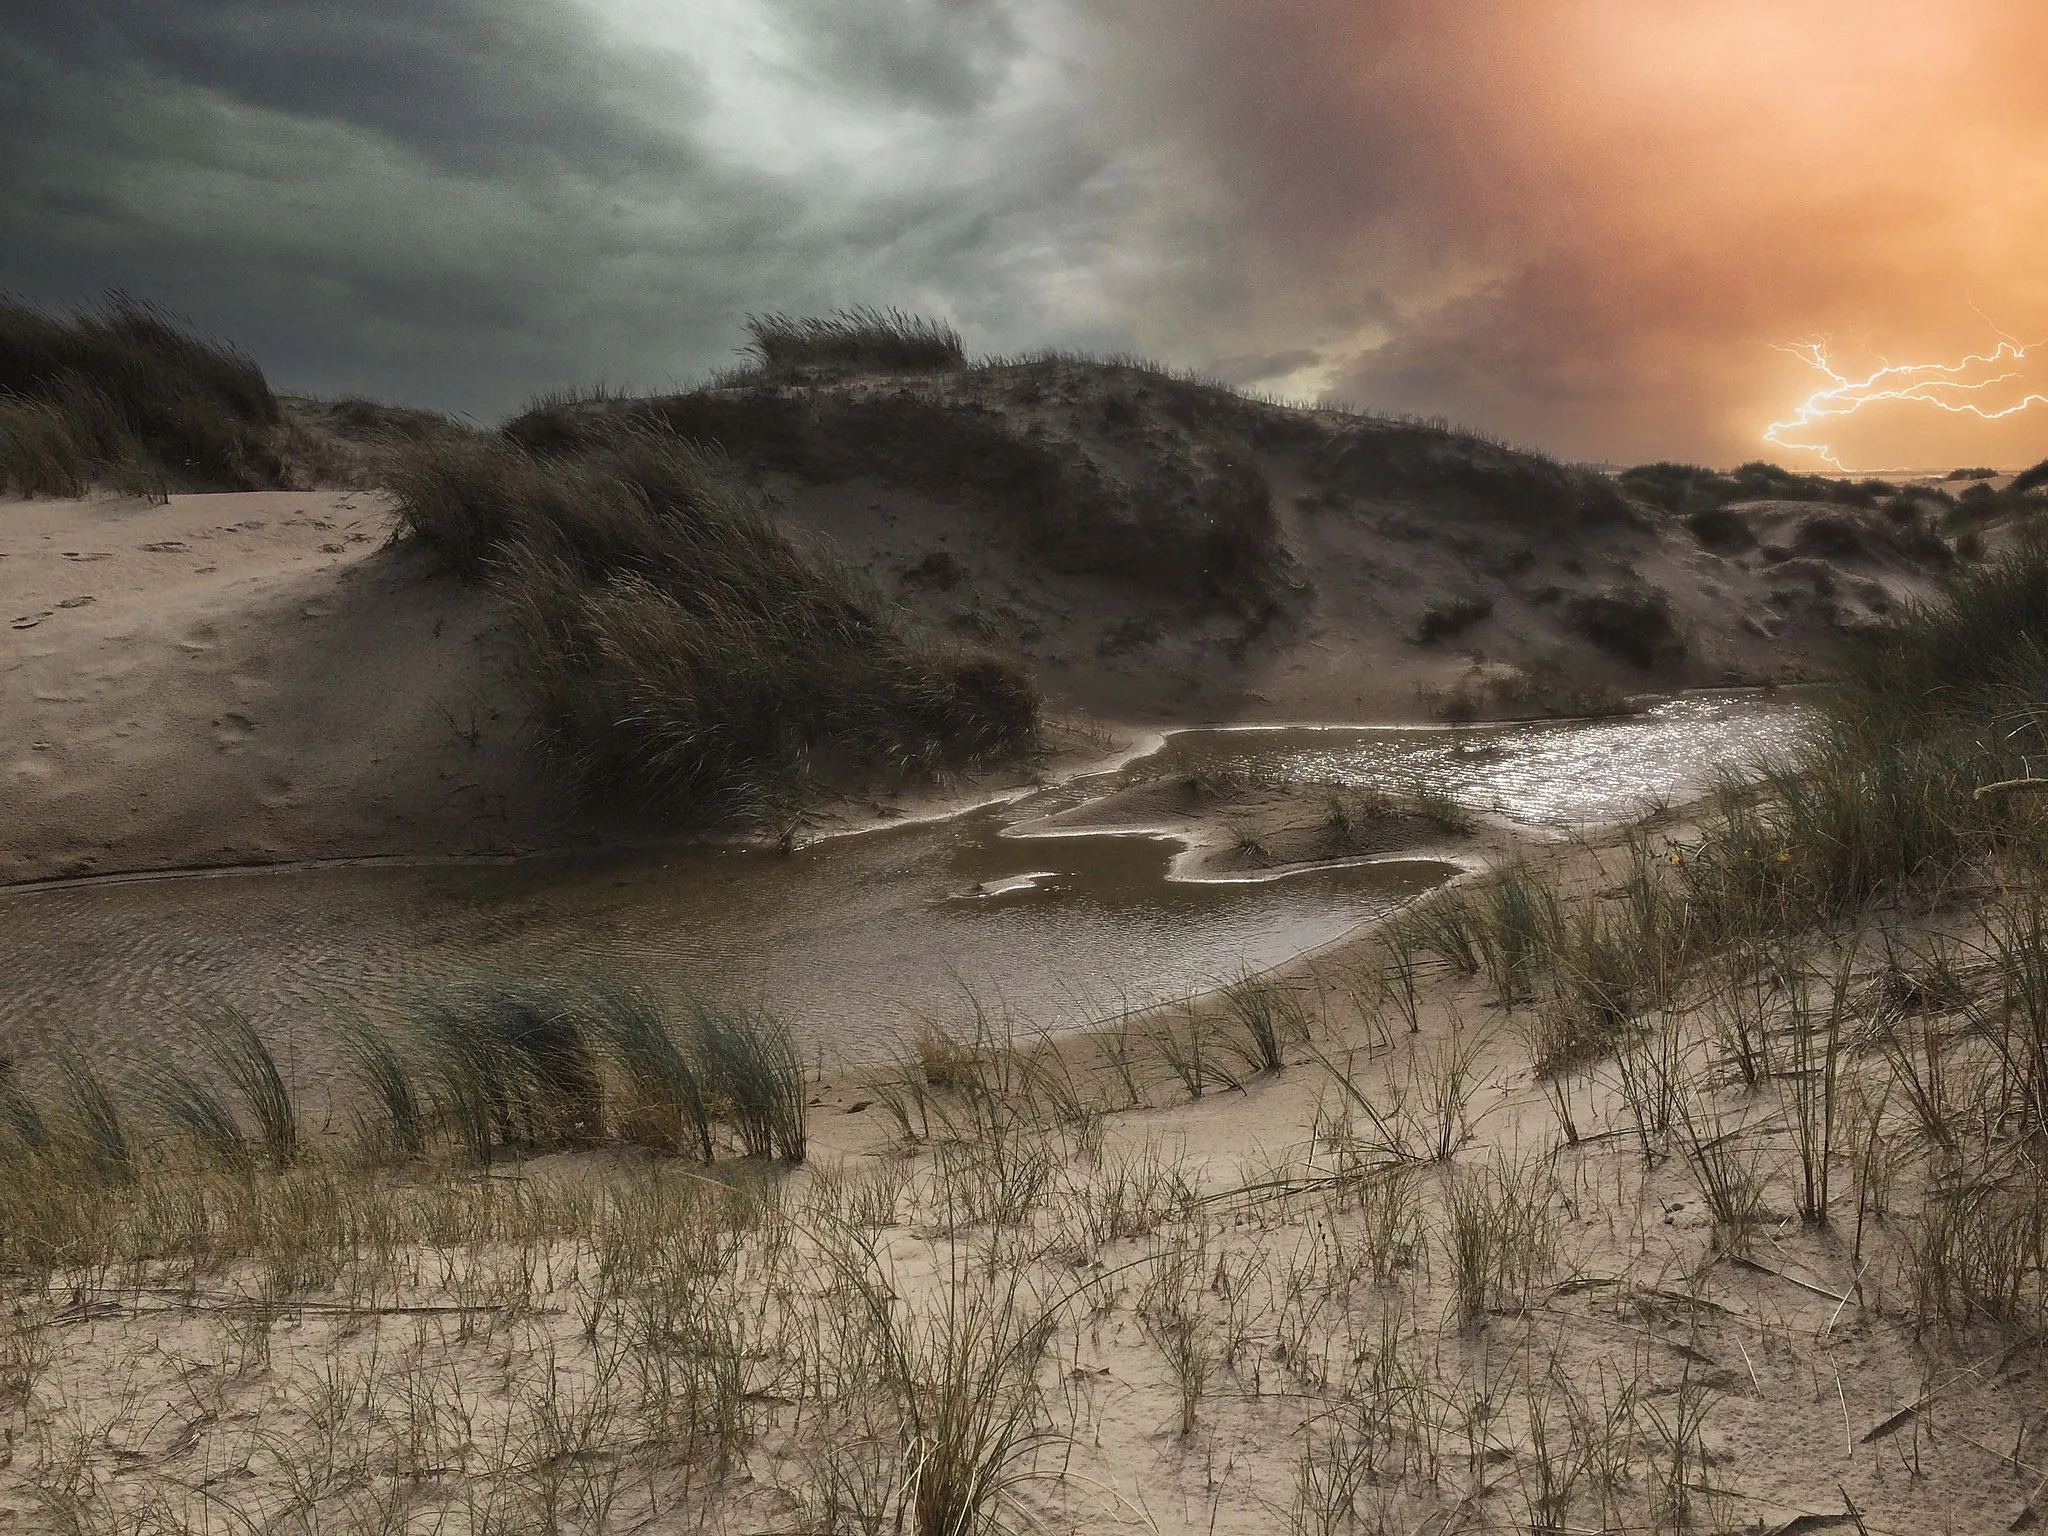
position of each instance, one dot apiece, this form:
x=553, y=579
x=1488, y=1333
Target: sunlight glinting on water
x=1547, y=773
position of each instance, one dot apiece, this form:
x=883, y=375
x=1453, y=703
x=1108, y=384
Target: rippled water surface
x=853, y=938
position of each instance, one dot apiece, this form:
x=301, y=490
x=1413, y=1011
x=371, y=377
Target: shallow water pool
x=854, y=939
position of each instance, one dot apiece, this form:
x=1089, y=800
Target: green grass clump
x=42, y=452
x=1882, y=797
x=480, y=1071
x=683, y=651
x=514, y=1067
x=127, y=395
x=750, y=1061
x=864, y=338
x=664, y=1103
x=242, y=1111
x=1267, y=1017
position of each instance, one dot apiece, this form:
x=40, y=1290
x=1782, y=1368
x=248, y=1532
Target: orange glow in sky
x=1597, y=224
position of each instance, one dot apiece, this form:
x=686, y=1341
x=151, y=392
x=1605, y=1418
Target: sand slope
x=238, y=678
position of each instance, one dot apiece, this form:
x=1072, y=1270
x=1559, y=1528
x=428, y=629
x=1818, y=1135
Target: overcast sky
x=1595, y=225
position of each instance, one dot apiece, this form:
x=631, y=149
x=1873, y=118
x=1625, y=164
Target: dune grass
x=863, y=338
x=1006, y=1321
x=682, y=651
x=125, y=394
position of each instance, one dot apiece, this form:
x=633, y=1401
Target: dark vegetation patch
x=684, y=653
x=1829, y=536
x=1131, y=634
x=1464, y=471
x=123, y=394
x=1979, y=502
x=1446, y=616
x=1541, y=690
x=1683, y=488
x=1911, y=505
x=1633, y=623
x=1718, y=528
x=1971, y=474
x=939, y=571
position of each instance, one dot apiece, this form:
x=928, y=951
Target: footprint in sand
x=232, y=730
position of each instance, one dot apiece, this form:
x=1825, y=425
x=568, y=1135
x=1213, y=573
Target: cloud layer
x=1584, y=223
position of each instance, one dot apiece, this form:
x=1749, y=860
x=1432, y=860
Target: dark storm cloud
x=477, y=85
x=460, y=202
x=394, y=198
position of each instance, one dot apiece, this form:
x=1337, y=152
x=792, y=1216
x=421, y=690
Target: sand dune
x=257, y=677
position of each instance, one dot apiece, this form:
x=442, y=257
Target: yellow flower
x=1784, y=857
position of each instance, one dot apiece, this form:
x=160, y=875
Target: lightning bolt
x=1941, y=385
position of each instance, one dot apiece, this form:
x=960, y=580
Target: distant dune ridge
x=282, y=628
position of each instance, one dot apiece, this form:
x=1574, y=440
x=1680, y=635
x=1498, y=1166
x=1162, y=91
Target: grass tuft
x=864, y=338
x=750, y=1058
x=665, y=1103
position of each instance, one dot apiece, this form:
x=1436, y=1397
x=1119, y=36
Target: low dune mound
x=1683, y=488
x=1102, y=469
x=352, y=443
x=1157, y=544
